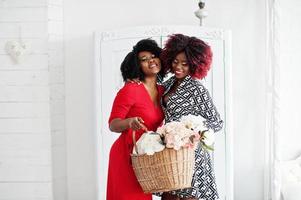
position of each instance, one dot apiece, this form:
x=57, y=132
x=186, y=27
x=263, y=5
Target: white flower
x=149, y=143
x=177, y=135
x=197, y=123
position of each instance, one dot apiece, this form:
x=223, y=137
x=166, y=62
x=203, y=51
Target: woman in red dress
x=136, y=107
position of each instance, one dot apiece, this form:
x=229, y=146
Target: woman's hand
x=118, y=125
x=136, y=123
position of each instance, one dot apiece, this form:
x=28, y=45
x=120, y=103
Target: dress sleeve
x=207, y=109
x=123, y=102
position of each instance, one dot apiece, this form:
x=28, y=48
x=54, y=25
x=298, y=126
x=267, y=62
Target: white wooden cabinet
x=111, y=48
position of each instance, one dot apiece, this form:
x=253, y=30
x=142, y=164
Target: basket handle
x=134, y=141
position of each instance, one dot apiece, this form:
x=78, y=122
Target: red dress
x=132, y=100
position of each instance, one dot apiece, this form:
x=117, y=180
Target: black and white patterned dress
x=191, y=97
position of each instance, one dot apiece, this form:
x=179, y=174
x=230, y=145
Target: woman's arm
x=135, y=123
x=123, y=102
x=207, y=109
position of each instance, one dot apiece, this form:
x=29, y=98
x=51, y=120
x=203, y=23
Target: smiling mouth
x=178, y=72
x=153, y=65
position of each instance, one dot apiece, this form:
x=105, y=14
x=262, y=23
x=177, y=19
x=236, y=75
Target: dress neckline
x=182, y=84
x=157, y=103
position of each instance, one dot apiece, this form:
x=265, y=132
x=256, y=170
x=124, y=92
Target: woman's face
x=180, y=66
x=149, y=63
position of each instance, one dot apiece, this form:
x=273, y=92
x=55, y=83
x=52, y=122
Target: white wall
x=290, y=96
x=32, y=144
x=247, y=21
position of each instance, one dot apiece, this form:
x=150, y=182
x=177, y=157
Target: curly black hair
x=130, y=67
x=198, y=53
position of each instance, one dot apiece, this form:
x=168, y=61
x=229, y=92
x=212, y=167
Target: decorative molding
x=214, y=34
x=165, y=30
x=108, y=35
x=152, y=31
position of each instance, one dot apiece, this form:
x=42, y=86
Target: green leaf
x=210, y=148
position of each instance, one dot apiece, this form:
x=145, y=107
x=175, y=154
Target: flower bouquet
x=186, y=133
x=174, y=135
x=198, y=125
x=164, y=160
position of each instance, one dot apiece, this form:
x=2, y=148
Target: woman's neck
x=150, y=81
x=178, y=81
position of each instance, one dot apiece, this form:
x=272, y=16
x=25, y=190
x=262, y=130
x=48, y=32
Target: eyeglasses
x=147, y=59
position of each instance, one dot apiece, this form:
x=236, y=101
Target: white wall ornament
x=16, y=50
x=201, y=13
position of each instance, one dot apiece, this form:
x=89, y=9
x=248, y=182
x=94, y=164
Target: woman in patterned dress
x=136, y=107
x=189, y=59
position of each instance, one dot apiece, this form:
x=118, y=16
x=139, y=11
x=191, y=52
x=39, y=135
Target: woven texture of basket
x=164, y=171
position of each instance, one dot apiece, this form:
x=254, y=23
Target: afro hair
x=198, y=54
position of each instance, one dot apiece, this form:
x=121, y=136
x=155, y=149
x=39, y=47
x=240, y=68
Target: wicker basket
x=164, y=171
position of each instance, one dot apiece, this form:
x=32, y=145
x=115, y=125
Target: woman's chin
x=155, y=72
x=179, y=76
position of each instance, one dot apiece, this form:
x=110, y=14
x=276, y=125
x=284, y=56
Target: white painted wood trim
x=267, y=143
x=228, y=108
x=272, y=182
x=97, y=117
